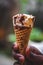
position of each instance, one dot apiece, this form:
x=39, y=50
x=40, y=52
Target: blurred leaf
x=36, y=34
x=11, y=38
x=24, y=1
x=40, y=0
x=23, y=6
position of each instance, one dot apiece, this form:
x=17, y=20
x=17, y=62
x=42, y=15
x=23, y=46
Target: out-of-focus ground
x=4, y=60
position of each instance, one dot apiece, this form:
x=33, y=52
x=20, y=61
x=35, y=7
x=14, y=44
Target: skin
x=32, y=56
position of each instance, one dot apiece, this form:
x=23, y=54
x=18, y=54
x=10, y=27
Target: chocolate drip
x=21, y=19
x=15, y=20
x=21, y=27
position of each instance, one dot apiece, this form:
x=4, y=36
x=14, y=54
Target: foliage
x=36, y=35
x=23, y=6
x=24, y=1
x=11, y=38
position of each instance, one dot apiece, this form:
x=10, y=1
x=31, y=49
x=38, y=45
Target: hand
x=32, y=55
x=16, y=53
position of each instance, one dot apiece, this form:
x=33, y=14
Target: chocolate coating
x=22, y=19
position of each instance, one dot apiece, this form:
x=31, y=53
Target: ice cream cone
x=22, y=33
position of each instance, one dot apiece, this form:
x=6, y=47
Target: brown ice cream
x=23, y=24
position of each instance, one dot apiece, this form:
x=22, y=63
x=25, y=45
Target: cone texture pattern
x=22, y=37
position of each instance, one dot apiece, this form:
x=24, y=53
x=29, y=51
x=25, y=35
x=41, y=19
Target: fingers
x=15, y=47
x=15, y=52
x=18, y=57
x=34, y=55
x=28, y=52
x=36, y=58
x=35, y=50
x=21, y=58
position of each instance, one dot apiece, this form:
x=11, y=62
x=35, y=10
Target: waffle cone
x=22, y=37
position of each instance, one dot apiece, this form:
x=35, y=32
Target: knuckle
x=22, y=59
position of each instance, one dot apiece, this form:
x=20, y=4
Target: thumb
x=28, y=52
x=15, y=46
